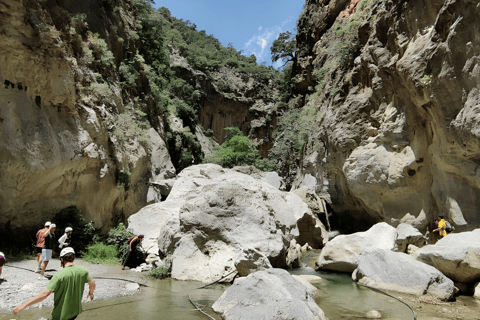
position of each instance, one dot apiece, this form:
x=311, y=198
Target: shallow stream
x=338, y=297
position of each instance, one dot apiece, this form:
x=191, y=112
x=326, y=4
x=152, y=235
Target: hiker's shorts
x=46, y=254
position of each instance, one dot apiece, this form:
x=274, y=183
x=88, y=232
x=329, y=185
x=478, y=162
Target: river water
x=338, y=297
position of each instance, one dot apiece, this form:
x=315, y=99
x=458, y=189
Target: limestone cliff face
x=398, y=95
x=58, y=145
x=233, y=99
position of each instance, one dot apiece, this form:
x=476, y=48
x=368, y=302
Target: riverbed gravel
x=18, y=282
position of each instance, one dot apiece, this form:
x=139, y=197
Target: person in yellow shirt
x=441, y=226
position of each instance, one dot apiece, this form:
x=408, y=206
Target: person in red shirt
x=40, y=244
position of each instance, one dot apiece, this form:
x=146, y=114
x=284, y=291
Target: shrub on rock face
x=269, y=294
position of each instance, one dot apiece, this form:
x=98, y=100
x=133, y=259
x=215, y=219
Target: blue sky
x=250, y=25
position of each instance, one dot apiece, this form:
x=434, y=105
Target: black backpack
x=448, y=227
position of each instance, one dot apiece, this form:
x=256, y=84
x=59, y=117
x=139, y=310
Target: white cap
x=47, y=224
x=53, y=225
x=66, y=251
x=2, y=255
x=68, y=229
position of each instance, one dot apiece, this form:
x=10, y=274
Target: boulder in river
x=269, y=294
x=213, y=214
x=457, y=255
x=341, y=254
x=396, y=271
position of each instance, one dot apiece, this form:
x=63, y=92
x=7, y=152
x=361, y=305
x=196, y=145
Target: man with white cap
x=65, y=240
x=67, y=285
x=40, y=244
x=47, y=251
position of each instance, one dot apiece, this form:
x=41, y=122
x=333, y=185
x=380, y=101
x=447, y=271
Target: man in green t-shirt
x=68, y=285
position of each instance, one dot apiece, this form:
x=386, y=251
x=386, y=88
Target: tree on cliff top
x=284, y=47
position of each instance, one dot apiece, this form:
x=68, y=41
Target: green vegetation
x=347, y=50
x=132, y=126
x=426, y=80
x=238, y=150
x=164, y=271
x=118, y=237
x=123, y=179
x=100, y=253
x=284, y=47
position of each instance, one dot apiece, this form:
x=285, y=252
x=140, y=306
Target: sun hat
x=68, y=229
x=65, y=251
x=53, y=225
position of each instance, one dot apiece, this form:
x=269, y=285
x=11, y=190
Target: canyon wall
x=396, y=86
x=58, y=144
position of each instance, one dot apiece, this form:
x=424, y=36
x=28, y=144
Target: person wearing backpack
x=443, y=226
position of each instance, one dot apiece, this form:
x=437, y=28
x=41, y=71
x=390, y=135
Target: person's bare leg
x=44, y=266
x=39, y=260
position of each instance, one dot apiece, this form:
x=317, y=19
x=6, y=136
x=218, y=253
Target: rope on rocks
x=389, y=295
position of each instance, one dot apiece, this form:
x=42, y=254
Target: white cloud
x=262, y=40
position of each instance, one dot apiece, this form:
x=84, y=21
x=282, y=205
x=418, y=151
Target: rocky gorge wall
x=396, y=86
x=57, y=142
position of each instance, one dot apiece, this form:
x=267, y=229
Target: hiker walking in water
x=47, y=251
x=40, y=244
x=67, y=286
x=133, y=242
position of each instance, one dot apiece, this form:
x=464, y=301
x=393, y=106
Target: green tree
x=284, y=47
x=238, y=150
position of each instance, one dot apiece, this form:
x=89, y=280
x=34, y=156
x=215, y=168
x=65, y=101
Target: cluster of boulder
x=217, y=223
x=378, y=258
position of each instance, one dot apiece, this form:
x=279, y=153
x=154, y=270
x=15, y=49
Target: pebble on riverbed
x=373, y=314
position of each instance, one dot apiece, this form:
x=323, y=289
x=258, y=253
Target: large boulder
x=341, y=254
x=269, y=294
x=457, y=255
x=406, y=235
x=396, y=271
x=213, y=216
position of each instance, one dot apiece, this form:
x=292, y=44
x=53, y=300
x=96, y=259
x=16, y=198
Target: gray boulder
x=269, y=294
x=215, y=214
x=341, y=254
x=457, y=256
x=396, y=271
x=406, y=235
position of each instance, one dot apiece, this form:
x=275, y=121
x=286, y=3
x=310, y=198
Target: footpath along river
x=338, y=296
